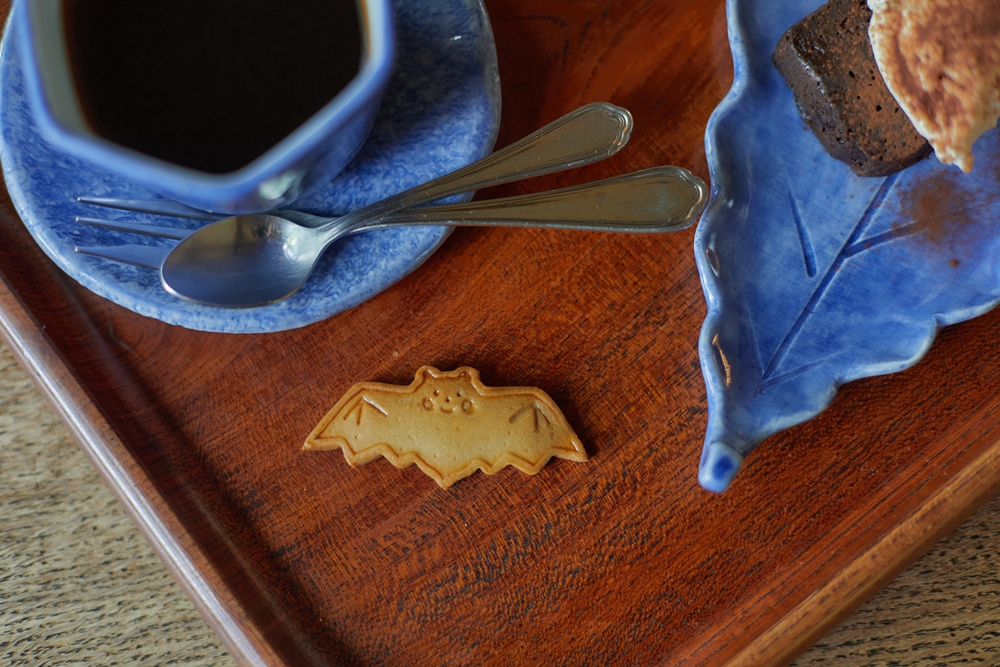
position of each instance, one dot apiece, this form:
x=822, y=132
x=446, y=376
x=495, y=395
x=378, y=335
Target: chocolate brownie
x=827, y=61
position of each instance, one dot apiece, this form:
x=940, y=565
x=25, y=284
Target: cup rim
x=355, y=98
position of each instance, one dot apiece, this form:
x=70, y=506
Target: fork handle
x=591, y=133
x=660, y=199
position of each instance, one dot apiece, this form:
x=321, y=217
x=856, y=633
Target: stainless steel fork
x=140, y=255
x=660, y=199
x=152, y=257
x=588, y=134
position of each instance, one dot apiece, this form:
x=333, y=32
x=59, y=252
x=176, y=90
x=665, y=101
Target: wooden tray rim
x=134, y=489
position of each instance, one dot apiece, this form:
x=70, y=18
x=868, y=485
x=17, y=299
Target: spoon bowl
x=257, y=259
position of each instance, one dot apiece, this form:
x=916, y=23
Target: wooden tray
x=296, y=559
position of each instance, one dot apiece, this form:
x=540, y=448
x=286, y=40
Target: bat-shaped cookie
x=449, y=424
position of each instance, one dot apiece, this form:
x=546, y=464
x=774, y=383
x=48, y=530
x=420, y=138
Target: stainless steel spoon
x=252, y=260
x=266, y=259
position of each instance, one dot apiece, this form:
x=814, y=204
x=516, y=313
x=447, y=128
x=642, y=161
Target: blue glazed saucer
x=441, y=112
x=815, y=276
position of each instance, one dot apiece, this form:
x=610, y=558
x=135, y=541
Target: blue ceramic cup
x=311, y=155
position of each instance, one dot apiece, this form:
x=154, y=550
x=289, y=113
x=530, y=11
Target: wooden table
x=299, y=560
x=79, y=584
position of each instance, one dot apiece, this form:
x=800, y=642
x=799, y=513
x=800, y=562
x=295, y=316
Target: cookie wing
x=539, y=426
x=356, y=422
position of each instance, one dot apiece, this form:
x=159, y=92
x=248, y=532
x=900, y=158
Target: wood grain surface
x=296, y=559
x=80, y=586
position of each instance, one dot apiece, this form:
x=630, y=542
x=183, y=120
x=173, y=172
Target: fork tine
x=147, y=256
x=138, y=228
x=154, y=206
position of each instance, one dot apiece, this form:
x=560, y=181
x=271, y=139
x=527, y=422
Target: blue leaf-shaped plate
x=814, y=276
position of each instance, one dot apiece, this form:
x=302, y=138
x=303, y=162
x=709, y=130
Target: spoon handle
x=661, y=199
x=589, y=134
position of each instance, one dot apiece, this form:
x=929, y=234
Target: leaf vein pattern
x=849, y=245
x=808, y=255
x=879, y=239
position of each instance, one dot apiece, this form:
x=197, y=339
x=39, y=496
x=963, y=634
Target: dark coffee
x=208, y=84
